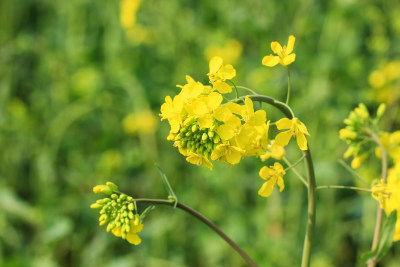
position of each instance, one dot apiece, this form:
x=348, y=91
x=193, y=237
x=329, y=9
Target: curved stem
x=285, y=109
x=247, y=89
x=206, y=221
x=288, y=87
x=378, y=224
x=343, y=187
x=234, y=86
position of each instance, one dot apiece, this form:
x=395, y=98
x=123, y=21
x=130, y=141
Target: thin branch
x=343, y=187
x=206, y=221
x=291, y=167
x=348, y=168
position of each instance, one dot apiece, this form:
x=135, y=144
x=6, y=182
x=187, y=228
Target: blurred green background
x=81, y=83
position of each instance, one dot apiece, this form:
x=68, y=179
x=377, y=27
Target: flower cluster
x=119, y=212
x=205, y=129
x=357, y=133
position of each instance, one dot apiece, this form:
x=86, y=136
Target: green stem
x=342, y=187
x=206, y=221
x=288, y=87
x=291, y=167
x=234, y=86
x=347, y=167
x=247, y=89
x=285, y=109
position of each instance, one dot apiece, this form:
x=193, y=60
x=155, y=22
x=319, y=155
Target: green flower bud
x=194, y=128
x=204, y=137
x=130, y=215
x=114, y=196
x=112, y=186
x=210, y=134
x=122, y=196
x=381, y=110
x=96, y=206
x=129, y=198
x=102, y=189
x=216, y=139
x=130, y=206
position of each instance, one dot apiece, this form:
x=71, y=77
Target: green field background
x=81, y=85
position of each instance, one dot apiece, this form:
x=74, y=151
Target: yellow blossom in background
x=140, y=122
x=284, y=54
x=135, y=33
x=273, y=175
x=230, y=51
x=219, y=73
x=296, y=129
x=385, y=82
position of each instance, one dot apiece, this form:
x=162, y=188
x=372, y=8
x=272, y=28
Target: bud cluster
x=119, y=212
x=197, y=140
x=359, y=126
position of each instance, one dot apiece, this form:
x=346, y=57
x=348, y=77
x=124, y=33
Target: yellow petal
x=218, y=152
x=199, y=107
x=265, y=172
x=267, y=188
x=235, y=108
x=206, y=121
x=133, y=238
x=222, y=87
x=276, y=47
x=222, y=113
x=189, y=79
x=301, y=141
x=136, y=228
x=225, y=131
x=290, y=44
x=281, y=184
x=215, y=64
x=234, y=156
x=284, y=123
x=249, y=106
x=270, y=60
x=117, y=231
x=288, y=59
x=302, y=127
x=214, y=100
x=282, y=139
x=260, y=117
x=227, y=72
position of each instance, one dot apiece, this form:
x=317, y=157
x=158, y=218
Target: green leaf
x=171, y=192
x=386, y=239
x=146, y=211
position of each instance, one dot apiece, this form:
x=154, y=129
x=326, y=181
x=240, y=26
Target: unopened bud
x=112, y=186
x=130, y=206
x=102, y=189
x=381, y=110
x=95, y=206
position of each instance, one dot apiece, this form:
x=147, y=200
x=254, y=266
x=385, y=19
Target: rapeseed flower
x=296, y=129
x=284, y=55
x=219, y=73
x=273, y=175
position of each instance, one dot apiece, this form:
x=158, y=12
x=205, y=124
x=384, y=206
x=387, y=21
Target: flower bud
x=95, y=206
x=130, y=206
x=112, y=186
x=381, y=110
x=102, y=189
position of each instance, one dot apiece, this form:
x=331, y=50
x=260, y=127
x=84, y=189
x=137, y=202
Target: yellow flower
x=228, y=153
x=219, y=73
x=296, y=128
x=284, y=55
x=197, y=159
x=389, y=196
x=273, y=175
x=203, y=109
x=131, y=236
x=274, y=151
x=172, y=111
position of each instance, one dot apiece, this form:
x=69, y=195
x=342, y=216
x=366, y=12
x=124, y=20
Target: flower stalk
x=206, y=221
